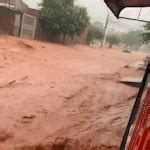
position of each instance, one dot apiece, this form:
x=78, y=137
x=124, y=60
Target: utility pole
x=9, y=3
x=105, y=28
x=139, y=14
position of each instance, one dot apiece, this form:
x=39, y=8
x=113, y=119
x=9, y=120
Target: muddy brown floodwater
x=55, y=97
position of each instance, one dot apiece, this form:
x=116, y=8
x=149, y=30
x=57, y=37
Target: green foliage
x=63, y=17
x=132, y=38
x=98, y=25
x=146, y=35
x=112, y=39
x=95, y=33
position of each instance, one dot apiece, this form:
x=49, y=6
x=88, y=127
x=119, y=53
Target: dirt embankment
x=58, y=97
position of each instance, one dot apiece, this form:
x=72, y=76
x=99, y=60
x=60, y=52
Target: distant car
x=126, y=50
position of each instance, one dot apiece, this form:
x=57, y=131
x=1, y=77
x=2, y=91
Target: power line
x=138, y=18
x=134, y=19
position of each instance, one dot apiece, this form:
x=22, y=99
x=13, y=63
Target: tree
x=98, y=25
x=62, y=17
x=94, y=33
x=132, y=38
x=146, y=35
x=112, y=39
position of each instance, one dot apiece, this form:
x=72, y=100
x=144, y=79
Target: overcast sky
x=98, y=12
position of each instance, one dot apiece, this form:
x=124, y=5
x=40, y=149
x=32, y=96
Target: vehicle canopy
x=117, y=6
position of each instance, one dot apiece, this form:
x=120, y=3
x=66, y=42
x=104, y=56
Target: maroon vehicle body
x=137, y=134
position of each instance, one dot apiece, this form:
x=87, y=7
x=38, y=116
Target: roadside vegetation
x=62, y=17
x=146, y=34
x=112, y=39
x=95, y=33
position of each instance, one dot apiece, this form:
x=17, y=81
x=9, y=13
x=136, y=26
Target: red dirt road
x=56, y=97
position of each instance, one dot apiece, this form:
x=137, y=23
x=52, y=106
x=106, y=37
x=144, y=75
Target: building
x=18, y=5
x=10, y=21
x=14, y=20
x=17, y=19
x=40, y=32
x=11, y=14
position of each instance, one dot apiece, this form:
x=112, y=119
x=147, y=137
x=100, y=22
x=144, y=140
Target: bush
x=112, y=39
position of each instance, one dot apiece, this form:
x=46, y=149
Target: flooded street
x=56, y=97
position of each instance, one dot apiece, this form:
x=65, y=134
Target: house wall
x=6, y=20
x=28, y=26
x=40, y=32
x=82, y=39
x=8, y=3
x=9, y=23
x=12, y=2
x=20, y=6
x=17, y=24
